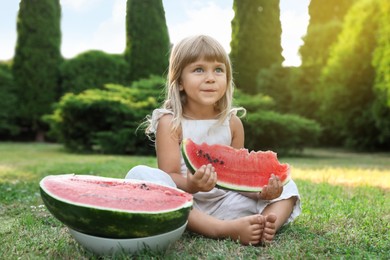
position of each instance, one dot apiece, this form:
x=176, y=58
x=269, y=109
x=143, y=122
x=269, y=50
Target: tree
x=348, y=81
x=381, y=64
x=37, y=60
x=8, y=103
x=276, y=83
x=326, y=21
x=147, y=39
x=381, y=59
x=256, y=40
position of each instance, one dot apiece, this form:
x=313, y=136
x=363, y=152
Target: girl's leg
x=276, y=214
x=247, y=230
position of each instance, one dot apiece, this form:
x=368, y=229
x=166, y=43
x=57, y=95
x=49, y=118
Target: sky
x=100, y=24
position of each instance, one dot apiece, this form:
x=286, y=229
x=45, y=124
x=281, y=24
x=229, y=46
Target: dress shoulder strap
x=156, y=115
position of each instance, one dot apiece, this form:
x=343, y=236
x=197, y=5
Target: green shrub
x=267, y=129
x=8, y=103
x=253, y=103
x=92, y=69
x=151, y=87
x=279, y=132
x=106, y=120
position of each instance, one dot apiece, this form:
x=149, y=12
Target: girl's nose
x=210, y=77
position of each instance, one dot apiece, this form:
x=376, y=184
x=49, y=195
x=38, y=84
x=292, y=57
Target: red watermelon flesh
x=237, y=169
x=114, y=208
x=114, y=194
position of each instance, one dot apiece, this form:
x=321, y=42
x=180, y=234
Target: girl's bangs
x=207, y=51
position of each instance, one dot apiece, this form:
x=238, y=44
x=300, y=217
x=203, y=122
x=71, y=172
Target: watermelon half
x=114, y=208
x=237, y=169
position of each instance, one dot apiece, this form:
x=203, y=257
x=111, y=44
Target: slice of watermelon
x=114, y=208
x=237, y=169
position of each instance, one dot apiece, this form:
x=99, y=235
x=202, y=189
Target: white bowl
x=111, y=246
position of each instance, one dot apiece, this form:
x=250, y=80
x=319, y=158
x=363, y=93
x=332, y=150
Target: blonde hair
x=187, y=51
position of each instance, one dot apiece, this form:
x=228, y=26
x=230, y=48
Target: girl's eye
x=219, y=70
x=198, y=70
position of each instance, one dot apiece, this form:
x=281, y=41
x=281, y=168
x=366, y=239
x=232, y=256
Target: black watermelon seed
x=144, y=186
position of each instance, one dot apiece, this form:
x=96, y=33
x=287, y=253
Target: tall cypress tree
x=352, y=112
x=147, y=38
x=256, y=40
x=326, y=21
x=37, y=59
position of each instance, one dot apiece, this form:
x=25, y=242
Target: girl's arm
x=237, y=130
x=168, y=159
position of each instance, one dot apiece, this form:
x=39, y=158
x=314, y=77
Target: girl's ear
x=181, y=88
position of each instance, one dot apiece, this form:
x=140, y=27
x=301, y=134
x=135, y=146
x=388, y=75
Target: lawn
x=345, y=196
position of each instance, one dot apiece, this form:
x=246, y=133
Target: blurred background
x=86, y=73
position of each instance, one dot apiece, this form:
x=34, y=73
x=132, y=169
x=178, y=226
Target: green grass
x=345, y=196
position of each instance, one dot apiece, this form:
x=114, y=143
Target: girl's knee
x=136, y=171
x=146, y=173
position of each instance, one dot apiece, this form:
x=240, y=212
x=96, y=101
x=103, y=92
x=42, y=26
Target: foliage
x=302, y=84
x=253, y=102
x=354, y=225
x=8, y=103
x=106, y=120
x=326, y=20
x=277, y=82
x=92, y=69
x=317, y=43
x=151, y=87
x=381, y=63
x=321, y=12
x=381, y=59
x=267, y=129
x=347, y=82
x=147, y=39
x=37, y=60
x=381, y=117
x=256, y=40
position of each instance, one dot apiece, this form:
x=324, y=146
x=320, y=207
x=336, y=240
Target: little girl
x=198, y=105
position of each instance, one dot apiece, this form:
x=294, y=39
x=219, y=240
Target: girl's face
x=204, y=83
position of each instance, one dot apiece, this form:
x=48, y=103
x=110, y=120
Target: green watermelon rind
x=188, y=163
x=220, y=184
x=110, y=223
x=229, y=186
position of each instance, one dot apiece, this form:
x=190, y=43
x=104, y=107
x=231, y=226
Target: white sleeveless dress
x=219, y=203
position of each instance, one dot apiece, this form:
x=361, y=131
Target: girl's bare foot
x=269, y=229
x=248, y=230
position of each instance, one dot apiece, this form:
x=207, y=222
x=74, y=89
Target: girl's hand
x=204, y=179
x=273, y=190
